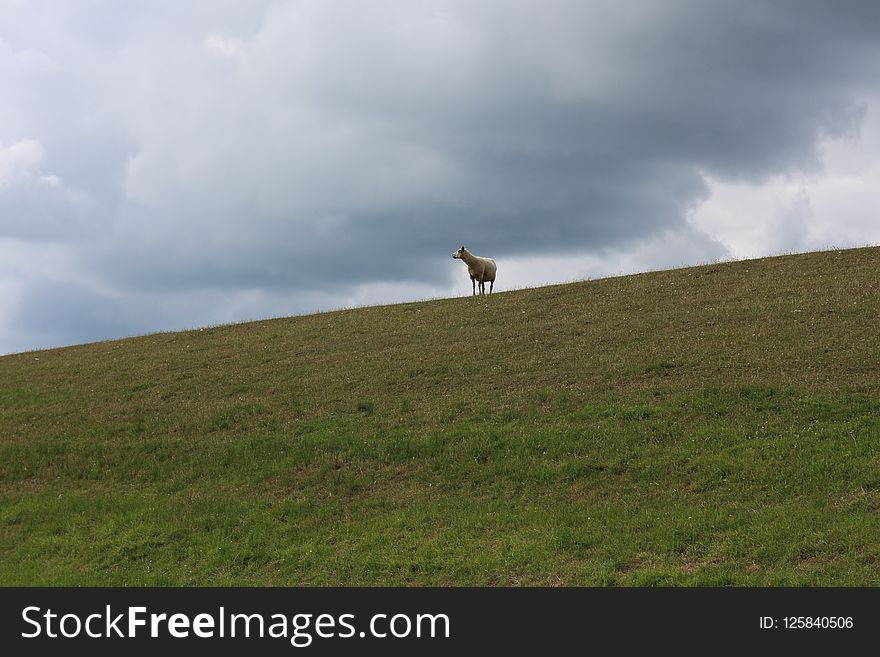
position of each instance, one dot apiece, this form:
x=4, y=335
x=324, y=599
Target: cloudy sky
x=168, y=164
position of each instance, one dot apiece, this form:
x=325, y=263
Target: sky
x=167, y=165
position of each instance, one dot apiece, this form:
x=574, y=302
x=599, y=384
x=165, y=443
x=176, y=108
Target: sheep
x=479, y=269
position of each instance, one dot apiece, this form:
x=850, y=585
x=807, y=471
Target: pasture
x=716, y=425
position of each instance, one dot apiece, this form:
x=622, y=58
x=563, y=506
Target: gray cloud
x=313, y=147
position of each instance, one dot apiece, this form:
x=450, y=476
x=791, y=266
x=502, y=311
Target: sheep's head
x=459, y=253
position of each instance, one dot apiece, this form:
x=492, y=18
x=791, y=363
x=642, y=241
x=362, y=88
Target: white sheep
x=480, y=269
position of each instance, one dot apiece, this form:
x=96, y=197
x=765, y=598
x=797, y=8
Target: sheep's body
x=481, y=270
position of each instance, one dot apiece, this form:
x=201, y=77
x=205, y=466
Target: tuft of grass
x=709, y=426
x=366, y=407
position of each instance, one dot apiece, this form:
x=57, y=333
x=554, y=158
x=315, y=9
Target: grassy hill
x=705, y=426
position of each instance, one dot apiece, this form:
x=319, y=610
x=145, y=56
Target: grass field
x=716, y=425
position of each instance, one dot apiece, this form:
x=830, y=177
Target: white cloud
x=37, y=61
x=19, y=160
x=223, y=46
x=837, y=206
x=35, y=203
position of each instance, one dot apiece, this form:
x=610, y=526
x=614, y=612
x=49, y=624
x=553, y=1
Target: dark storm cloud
x=528, y=158
x=323, y=145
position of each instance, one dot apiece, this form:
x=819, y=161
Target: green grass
x=717, y=425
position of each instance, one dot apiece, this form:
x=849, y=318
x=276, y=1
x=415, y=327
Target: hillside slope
x=711, y=425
